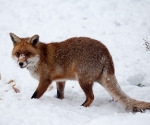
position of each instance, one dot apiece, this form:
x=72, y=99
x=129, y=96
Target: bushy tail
x=110, y=83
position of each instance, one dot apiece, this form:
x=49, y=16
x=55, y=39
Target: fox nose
x=21, y=64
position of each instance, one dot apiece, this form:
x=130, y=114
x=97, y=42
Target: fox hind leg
x=87, y=88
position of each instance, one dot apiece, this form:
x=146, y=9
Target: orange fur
x=79, y=58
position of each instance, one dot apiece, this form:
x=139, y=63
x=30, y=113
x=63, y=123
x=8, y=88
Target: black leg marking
x=58, y=94
x=34, y=95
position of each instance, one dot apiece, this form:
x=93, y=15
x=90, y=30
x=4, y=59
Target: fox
x=79, y=58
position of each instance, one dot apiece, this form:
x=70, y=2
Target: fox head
x=25, y=50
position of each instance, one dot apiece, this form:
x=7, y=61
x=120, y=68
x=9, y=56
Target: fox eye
x=28, y=54
x=17, y=54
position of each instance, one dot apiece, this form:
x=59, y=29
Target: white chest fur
x=32, y=66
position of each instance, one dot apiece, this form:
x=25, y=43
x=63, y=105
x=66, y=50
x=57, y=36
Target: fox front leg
x=60, y=89
x=42, y=87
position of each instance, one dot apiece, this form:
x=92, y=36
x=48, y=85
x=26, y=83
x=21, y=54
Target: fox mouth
x=23, y=66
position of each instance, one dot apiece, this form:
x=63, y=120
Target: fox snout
x=26, y=62
x=22, y=64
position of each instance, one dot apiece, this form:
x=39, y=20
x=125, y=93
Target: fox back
x=78, y=58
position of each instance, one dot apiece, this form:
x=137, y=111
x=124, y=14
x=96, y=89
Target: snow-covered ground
x=120, y=25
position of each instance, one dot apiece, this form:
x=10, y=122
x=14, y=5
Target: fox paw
x=139, y=106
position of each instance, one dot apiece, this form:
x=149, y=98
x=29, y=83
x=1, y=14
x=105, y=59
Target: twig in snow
x=50, y=87
x=147, y=44
x=10, y=81
x=13, y=86
x=15, y=89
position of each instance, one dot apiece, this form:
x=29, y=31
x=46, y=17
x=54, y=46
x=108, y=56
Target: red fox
x=80, y=58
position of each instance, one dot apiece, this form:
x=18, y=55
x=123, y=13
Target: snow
x=123, y=26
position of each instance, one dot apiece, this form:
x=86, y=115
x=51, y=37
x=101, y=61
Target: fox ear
x=15, y=39
x=34, y=39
